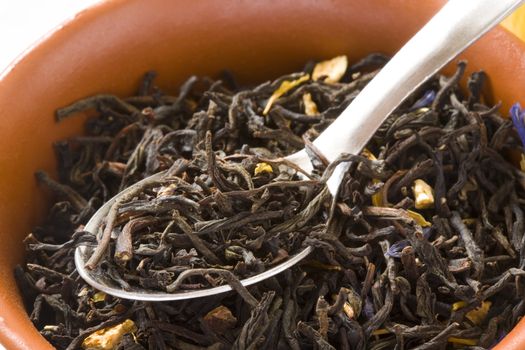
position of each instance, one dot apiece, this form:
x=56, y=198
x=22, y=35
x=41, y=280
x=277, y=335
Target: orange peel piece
x=108, y=338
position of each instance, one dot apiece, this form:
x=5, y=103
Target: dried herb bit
x=423, y=248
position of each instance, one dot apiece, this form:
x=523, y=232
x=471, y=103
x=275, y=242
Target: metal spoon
x=457, y=25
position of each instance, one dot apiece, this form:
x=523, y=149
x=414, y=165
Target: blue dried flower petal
x=518, y=119
x=426, y=100
x=395, y=249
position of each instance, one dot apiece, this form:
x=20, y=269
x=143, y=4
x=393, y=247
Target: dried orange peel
x=108, y=338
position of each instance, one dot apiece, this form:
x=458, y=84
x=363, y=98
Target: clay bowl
x=108, y=47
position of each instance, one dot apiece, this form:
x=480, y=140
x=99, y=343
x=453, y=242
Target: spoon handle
x=457, y=25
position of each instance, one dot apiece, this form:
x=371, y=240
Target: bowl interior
x=108, y=48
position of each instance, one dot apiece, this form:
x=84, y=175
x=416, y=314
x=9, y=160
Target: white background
x=23, y=22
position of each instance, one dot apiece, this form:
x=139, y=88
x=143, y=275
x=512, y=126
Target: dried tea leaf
x=470, y=186
x=310, y=108
x=377, y=199
x=220, y=319
x=263, y=168
x=284, y=88
x=108, y=338
x=319, y=265
x=281, y=255
x=333, y=69
x=423, y=194
x=321, y=311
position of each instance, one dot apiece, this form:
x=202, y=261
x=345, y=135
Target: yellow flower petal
x=108, y=338
x=522, y=162
x=418, y=218
x=366, y=153
x=333, y=69
x=462, y=341
x=310, y=108
x=284, y=88
x=469, y=221
x=99, y=296
x=423, y=194
x=263, y=168
x=458, y=305
x=479, y=314
x=381, y=331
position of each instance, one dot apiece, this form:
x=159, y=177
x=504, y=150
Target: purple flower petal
x=368, y=308
x=427, y=232
x=395, y=249
x=518, y=119
x=426, y=100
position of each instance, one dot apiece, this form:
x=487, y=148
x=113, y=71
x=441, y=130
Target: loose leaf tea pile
x=423, y=248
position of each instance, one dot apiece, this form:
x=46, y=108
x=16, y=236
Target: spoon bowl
x=98, y=281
